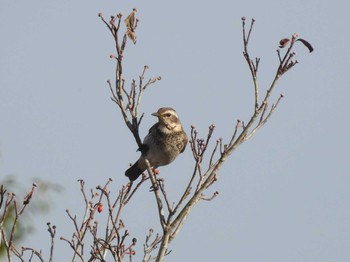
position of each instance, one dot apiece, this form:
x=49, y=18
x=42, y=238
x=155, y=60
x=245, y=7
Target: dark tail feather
x=134, y=171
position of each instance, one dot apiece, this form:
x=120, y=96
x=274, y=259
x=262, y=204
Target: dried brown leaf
x=306, y=43
x=284, y=42
x=130, y=22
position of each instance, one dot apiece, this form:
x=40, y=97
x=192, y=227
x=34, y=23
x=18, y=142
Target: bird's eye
x=168, y=115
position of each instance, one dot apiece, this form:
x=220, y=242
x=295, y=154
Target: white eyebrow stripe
x=172, y=112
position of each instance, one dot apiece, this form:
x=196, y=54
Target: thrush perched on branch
x=164, y=142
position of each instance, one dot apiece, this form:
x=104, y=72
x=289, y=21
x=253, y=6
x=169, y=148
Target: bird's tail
x=134, y=171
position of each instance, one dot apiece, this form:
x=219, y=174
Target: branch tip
x=295, y=36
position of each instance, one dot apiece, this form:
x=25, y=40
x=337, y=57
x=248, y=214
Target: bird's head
x=169, y=119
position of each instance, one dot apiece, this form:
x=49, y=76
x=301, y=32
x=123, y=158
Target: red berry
x=100, y=208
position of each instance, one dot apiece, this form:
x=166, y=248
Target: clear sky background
x=284, y=195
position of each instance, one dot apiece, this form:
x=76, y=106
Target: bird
x=165, y=140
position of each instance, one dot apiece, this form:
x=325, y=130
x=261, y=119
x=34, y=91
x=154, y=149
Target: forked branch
x=203, y=176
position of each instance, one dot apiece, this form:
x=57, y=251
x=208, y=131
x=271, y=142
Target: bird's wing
x=153, y=128
x=144, y=147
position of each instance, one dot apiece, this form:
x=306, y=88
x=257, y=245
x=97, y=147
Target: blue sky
x=284, y=195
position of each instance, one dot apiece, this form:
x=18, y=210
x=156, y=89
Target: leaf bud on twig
x=295, y=36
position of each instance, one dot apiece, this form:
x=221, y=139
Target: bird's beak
x=155, y=114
